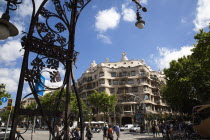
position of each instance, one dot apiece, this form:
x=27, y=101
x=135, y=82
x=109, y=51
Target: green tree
x=4, y=116
x=103, y=102
x=188, y=78
x=49, y=103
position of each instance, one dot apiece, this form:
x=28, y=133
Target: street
x=125, y=135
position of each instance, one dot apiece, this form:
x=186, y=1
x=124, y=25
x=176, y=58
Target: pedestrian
x=58, y=130
x=117, y=131
x=105, y=132
x=110, y=133
x=89, y=134
x=153, y=130
x=157, y=130
x=76, y=134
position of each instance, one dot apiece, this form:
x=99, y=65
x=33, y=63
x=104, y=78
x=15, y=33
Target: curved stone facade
x=136, y=85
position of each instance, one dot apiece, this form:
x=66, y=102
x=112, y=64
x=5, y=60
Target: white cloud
x=10, y=51
x=143, y=1
x=128, y=13
x=107, y=19
x=53, y=85
x=104, y=38
x=10, y=77
x=166, y=55
x=25, y=8
x=202, y=19
x=94, y=6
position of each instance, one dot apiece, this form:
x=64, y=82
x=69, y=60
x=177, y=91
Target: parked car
x=135, y=128
x=126, y=127
x=2, y=132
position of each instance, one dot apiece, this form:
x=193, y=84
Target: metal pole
x=7, y=125
x=19, y=95
x=114, y=117
x=33, y=128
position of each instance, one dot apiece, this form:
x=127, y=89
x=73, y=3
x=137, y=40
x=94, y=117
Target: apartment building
x=27, y=101
x=136, y=85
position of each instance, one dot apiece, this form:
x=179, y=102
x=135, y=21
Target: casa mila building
x=136, y=85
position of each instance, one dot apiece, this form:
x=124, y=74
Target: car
x=2, y=132
x=126, y=127
x=135, y=128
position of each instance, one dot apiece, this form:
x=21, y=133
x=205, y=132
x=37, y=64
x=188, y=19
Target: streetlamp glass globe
x=4, y=32
x=140, y=24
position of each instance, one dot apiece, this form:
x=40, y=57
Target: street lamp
x=51, y=41
x=7, y=29
x=140, y=23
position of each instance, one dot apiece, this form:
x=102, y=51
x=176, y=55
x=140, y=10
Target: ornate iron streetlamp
x=49, y=44
x=7, y=29
x=140, y=23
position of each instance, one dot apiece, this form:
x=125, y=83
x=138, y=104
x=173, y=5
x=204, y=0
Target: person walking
x=105, y=132
x=89, y=134
x=157, y=130
x=117, y=131
x=110, y=133
x=153, y=130
x=76, y=134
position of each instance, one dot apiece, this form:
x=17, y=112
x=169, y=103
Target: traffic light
x=9, y=104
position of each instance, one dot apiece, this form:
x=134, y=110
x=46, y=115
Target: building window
x=113, y=74
x=120, y=90
x=146, y=97
x=111, y=90
x=133, y=73
x=125, y=73
x=95, y=76
x=123, y=82
x=101, y=90
x=94, y=85
x=131, y=62
x=145, y=88
x=101, y=81
x=101, y=74
x=142, y=73
x=148, y=107
x=110, y=82
x=134, y=89
x=127, y=108
x=130, y=81
x=115, y=82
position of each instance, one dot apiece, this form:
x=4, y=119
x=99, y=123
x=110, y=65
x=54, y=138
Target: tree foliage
x=49, y=103
x=188, y=78
x=103, y=102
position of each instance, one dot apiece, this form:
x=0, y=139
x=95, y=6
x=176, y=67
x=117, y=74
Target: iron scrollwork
x=12, y=4
x=50, y=47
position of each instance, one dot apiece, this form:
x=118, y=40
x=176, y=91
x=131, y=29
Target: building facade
x=27, y=101
x=136, y=85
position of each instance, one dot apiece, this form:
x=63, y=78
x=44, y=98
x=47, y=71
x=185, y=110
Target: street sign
x=4, y=99
x=39, y=87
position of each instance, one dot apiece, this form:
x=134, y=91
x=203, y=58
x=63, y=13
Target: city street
x=44, y=135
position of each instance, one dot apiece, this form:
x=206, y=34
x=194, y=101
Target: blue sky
x=106, y=28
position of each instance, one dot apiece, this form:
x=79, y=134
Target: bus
x=201, y=120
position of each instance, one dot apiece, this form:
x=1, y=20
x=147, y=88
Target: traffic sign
x=39, y=87
x=4, y=99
